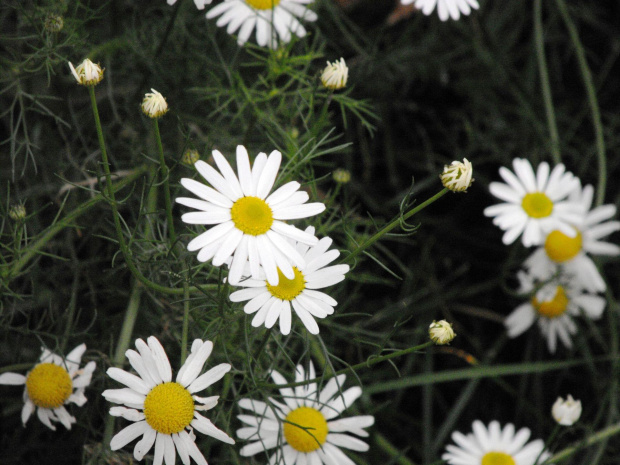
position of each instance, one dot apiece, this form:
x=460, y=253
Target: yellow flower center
x=252, y=215
x=48, y=385
x=497, y=458
x=288, y=289
x=537, y=205
x=263, y=4
x=561, y=248
x=169, y=408
x=554, y=307
x=305, y=429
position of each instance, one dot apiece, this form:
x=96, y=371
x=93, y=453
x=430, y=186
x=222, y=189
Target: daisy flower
x=554, y=305
x=535, y=203
x=445, y=8
x=495, y=446
x=53, y=383
x=250, y=222
x=271, y=18
x=571, y=253
x=165, y=412
x=305, y=428
x=271, y=303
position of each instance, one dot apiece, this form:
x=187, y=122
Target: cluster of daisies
x=551, y=211
x=277, y=21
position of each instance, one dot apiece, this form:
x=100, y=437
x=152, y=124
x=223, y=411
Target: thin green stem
x=592, y=100
x=544, y=82
x=165, y=174
x=185, y=323
x=397, y=455
x=602, y=435
x=387, y=228
x=131, y=313
x=17, y=367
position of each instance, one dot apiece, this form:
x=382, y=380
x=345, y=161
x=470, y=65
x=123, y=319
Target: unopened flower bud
x=341, y=176
x=53, y=23
x=154, y=104
x=87, y=73
x=566, y=412
x=17, y=213
x=457, y=176
x=441, y=332
x=335, y=75
x=190, y=157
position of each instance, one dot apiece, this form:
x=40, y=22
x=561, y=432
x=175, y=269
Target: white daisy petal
x=128, y=434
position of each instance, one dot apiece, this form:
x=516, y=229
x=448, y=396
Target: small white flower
x=154, y=104
x=200, y=4
x=53, y=383
x=494, y=445
x=554, y=305
x=457, y=176
x=303, y=424
x=271, y=18
x=535, y=203
x=87, y=73
x=165, y=412
x=571, y=254
x=271, y=303
x=445, y=8
x=441, y=332
x=566, y=412
x=251, y=224
x=335, y=75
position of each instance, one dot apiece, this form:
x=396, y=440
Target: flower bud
x=335, y=75
x=17, y=213
x=566, y=412
x=190, y=157
x=341, y=176
x=53, y=23
x=154, y=104
x=87, y=73
x=441, y=332
x=457, y=176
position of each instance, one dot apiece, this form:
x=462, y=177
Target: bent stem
x=386, y=229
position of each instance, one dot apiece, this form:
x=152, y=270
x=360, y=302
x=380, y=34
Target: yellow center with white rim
x=552, y=308
x=497, y=458
x=263, y=4
x=288, y=289
x=537, y=205
x=252, y=215
x=169, y=408
x=305, y=429
x=48, y=385
x=560, y=248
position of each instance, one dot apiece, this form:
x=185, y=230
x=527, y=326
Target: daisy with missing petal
x=271, y=18
x=250, y=222
x=53, y=383
x=571, y=253
x=554, y=305
x=495, y=446
x=445, y=8
x=535, y=203
x=271, y=303
x=304, y=427
x=165, y=412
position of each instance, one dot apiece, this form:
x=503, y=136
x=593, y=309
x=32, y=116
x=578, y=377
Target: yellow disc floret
x=252, y=215
x=169, y=408
x=263, y=4
x=305, y=429
x=561, y=248
x=288, y=289
x=48, y=385
x=537, y=205
x=497, y=458
x=554, y=307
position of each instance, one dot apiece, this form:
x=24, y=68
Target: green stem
x=17, y=367
x=544, y=82
x=34, y=247
x=124, y=339
x=364, y=245
x=116, y=216
x=592, y=100
x=165, y=174
x=185, y=323
x=602, y=435
x=395, y=454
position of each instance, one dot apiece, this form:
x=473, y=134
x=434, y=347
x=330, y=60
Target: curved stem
x=544, y=82
x=602, y=435
x=594, y=108
x=364, y=245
